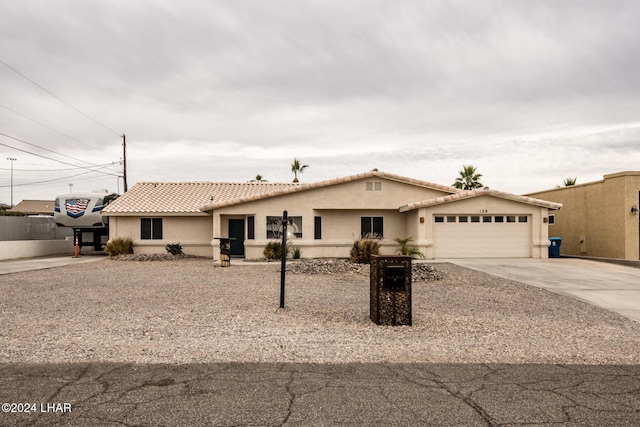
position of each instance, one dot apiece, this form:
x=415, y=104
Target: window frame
x=151, y=228
x=372, y=224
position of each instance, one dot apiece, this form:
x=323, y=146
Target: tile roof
x=35, y=207
x=185, y=197
x=468, y=194
x=304, y=187
x=195, y=197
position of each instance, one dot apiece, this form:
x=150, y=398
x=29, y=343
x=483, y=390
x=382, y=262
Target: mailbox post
x=390, y=296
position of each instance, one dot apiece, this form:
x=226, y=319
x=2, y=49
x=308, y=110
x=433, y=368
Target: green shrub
x=407, y=249
x=369, y=244
x=119, y=246
x=297, y=253
x=174, y=249
x=4, y=212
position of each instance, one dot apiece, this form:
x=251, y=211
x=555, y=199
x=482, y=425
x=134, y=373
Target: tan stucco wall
x=340, y=206
x=596, y=217
x=486, y=205
x=194, y=233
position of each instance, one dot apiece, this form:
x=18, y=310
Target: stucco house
x=328, y=216
x=599, y=218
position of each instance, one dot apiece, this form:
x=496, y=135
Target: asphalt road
x=319, y=395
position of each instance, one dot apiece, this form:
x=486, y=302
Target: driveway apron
x=611, y=286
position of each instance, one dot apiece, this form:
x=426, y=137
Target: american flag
x=76, y=207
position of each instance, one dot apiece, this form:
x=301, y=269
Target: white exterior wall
x=194, y=233
x=340, y=206
x=15, y=249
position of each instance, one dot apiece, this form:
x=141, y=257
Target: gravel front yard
x=190, y=310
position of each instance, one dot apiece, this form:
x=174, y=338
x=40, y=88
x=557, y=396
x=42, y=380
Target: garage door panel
x=482, y=240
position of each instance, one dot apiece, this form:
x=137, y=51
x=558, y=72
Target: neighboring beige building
x=329, y=216
x=34, y=207
x=598, y=219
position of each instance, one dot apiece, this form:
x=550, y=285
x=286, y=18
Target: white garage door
x=482, y=236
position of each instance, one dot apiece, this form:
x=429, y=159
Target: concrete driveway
x=611, y=286
x=29, y=264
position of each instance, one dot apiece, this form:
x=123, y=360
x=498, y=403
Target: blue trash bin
x=554, y=247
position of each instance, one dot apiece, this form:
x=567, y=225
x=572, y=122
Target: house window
x=371, y=224
x=439, y=219
x=463, y=219
x=451, y=219
x=499, y=218
x=274, y=226
x=475, y=218
x=317, y=227
x=552, y=219
x=151, y=228
x=486, y=218
x=511, y=218
x=373, y=186
x=251, y=227
x=523, y=218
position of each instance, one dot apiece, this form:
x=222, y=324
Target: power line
x=58, y=98
x=47, y=127
x=45, y=157
x=52, y=180
x=59, y=170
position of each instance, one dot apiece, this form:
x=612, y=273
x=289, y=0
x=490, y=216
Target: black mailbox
x=390, y=283
x=394, y=277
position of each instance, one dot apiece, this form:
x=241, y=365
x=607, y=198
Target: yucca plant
x=369, y=244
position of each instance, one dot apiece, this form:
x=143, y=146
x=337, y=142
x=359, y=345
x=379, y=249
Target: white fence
x=26, y=237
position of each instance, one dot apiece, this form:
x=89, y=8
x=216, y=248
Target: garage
x=482, y=236
x=482, y=223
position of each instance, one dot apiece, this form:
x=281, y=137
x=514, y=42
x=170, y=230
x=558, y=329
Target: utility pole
x=124, y=161
x=11, y=159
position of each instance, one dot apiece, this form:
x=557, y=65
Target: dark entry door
x=236, y=233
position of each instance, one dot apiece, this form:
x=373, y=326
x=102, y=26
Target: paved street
x=315, y=395
x=611, y=286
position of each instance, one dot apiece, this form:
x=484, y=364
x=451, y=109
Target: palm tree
x=569, y=181
x=295, y=168
x=407, y=249
x=469, y=178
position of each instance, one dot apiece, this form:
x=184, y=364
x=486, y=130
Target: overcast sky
x=530, y=92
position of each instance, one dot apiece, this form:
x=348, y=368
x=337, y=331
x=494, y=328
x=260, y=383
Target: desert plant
x=273, y=250
x=296, y=253
x=174, y=249
x=407, y=249
x=469, y=178
x=119, y=246
x=296, y=167
x=369, y=244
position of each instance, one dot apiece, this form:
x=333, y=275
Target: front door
x=236, y=233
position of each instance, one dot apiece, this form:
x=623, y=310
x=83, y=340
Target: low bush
x=174, y=249
x=119, y=246
x=369, y=244
x=273, y=250
x=296, y=253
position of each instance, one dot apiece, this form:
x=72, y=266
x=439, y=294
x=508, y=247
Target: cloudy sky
x=528, y=92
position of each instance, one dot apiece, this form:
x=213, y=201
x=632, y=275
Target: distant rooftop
x=34, y=207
